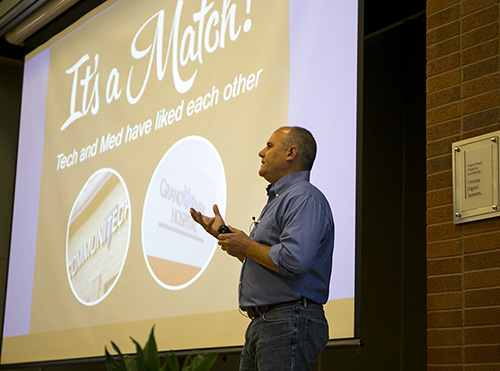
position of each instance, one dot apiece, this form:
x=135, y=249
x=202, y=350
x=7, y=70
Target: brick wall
x=463, y=261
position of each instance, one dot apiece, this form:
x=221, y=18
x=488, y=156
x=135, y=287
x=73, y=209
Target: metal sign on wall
x=475, y=178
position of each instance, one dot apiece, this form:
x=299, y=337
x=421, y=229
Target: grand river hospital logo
x=176, y=249
x=98, y=236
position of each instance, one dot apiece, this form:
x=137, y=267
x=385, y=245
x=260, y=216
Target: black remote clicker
x=223, y=229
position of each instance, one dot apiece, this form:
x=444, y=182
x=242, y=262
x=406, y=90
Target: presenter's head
x=289, y=149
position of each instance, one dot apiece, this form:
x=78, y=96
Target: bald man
x=287, y=259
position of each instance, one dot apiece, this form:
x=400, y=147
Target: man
x=287, y=259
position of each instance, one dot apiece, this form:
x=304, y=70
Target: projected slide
x=134, y=114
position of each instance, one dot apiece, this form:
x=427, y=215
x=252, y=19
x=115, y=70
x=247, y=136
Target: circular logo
x=98, y=236
x=176, y=249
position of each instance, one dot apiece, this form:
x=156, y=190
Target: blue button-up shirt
x=297, y=223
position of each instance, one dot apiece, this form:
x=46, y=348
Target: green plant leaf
x=171, y=362
x=131, y=364
x=151, y=352
x=117, y=350
x=200, y=362
x=139, y=357
x=186, y=366
x=207, y=362
x=111, y=364
x=147, y=359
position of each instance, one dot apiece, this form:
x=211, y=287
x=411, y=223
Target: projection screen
x=135, y=113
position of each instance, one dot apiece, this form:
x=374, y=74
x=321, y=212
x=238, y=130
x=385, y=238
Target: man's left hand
x=238, y=244
x=235, y=243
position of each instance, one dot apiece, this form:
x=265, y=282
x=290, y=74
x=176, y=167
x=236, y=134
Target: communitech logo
x=176, y=249
x=98, y=236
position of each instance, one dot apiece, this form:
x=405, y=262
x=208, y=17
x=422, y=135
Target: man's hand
x=238, y=244
x=235, y=243
x=209, y=224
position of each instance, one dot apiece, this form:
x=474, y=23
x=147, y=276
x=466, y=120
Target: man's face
x=274, y=157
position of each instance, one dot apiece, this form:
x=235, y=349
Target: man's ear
x=292, y=153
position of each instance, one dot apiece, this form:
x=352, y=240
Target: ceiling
x=14, y=12
x=378, y=14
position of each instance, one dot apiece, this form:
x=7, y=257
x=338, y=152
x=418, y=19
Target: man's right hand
x=211, y=225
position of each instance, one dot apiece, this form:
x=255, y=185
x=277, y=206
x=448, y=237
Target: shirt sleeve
x=304, y=223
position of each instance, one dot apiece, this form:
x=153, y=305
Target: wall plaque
x=475, y=178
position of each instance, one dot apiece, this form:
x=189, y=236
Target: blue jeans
x=286, y=338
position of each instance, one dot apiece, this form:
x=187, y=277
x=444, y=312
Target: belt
x=254, y=312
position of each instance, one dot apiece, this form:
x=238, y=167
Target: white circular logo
x=98, y=236
x=176, y=249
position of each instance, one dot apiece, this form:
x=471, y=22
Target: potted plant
x=148, y=359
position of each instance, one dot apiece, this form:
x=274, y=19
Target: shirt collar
x=281, y=185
